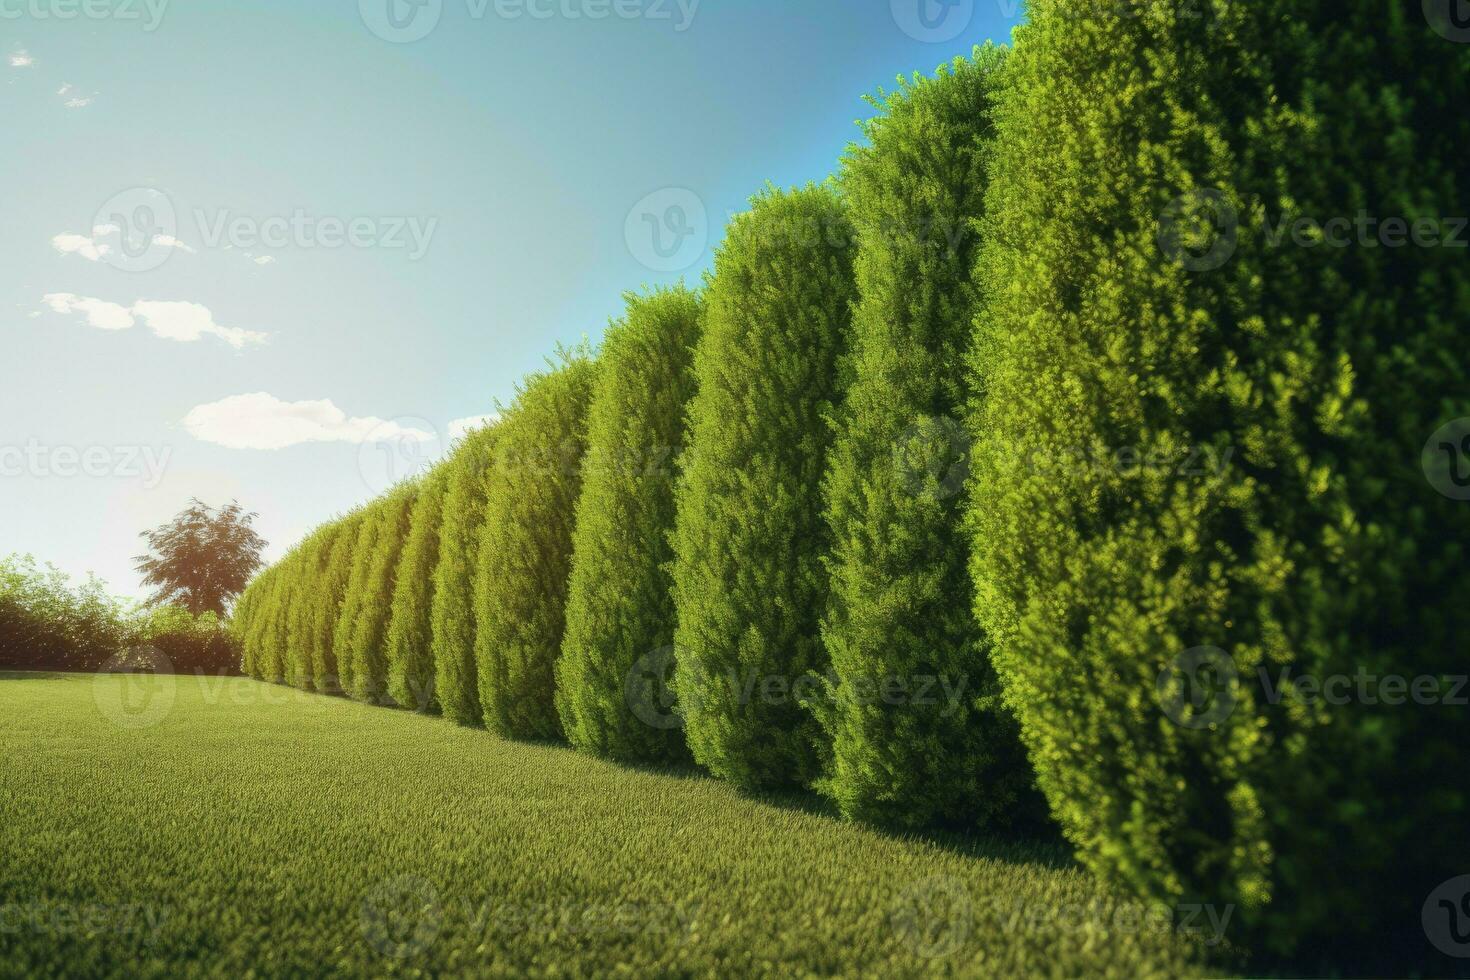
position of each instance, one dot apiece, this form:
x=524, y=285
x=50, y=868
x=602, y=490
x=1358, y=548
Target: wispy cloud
x=263, y=421
x=21, y=59
x=76, y=101
x=172, y=320
x=103, y=240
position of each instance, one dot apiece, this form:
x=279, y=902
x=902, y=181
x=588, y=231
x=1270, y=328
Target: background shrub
x=526, y=548
x=1199, y=452
x=938, y=746
x=619, y=608
x=456, y=675
x=410, y=625
x=748, y=583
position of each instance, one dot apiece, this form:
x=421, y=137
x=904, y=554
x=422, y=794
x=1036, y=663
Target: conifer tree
x=525, y=548
x=456, y=675
x=1203, y=404
x=749, y=588
x=620, y=611
x=919, y=735
x=410, y=626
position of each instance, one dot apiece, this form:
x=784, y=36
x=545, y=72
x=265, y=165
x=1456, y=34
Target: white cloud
x=265, y=260
x=21, y=59
x=88, y=248
x=79, y=103
x=65, y=88
x=190, y=321
x=262, y=421
x=99, y=313
x=181, y=321
x=459, y=428
x=98, y=245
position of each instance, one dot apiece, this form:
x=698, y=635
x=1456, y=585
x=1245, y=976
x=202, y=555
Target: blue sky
x=274, y=251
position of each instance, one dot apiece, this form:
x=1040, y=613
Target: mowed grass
x=179, y=826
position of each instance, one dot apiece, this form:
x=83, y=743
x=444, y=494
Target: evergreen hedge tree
x=919, y=735
x=748, y=583
x=456, y=675
x=410, y=625
x=620, y=611
x=526, y=546
x=367, y=640
x=327, y=601
x=303, y=568
x=356, y=594
x=1198, y=457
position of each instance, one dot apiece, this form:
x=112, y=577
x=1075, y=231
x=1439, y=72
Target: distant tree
x=202, y=558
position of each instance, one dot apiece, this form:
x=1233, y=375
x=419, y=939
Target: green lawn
x=242, y=827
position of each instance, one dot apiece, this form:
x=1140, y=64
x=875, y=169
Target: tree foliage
x=202, y=558
x=525, y=548
x=919, y=735
x=456, y=674
x=748, y=582
x=1198, y=451
x=620, y=613
x=410, y=627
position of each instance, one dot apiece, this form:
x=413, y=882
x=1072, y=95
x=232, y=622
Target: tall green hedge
x=367, y=638
x=526, y=547
x=919, y=735
x=355, y=595
x=620, y=613
x=1198, y=451
x=410, y=625
x=327, y=595
x=748, y=583
x=452, y=613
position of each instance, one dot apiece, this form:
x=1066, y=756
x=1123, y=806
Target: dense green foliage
x=202, y=558
x=525, y=548
x=1201, y=427
x=748, y=582
x=368, y=631
x=355, y=594
x=620, y=611
x=410, y=625
x=49, y=623
x=523, y=860
x=456, y=675
x=327, y=592
x=919, y=734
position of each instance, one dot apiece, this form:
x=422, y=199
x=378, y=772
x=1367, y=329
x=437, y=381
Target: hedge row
x=962, y=466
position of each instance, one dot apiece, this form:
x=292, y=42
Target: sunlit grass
x=163, y=826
